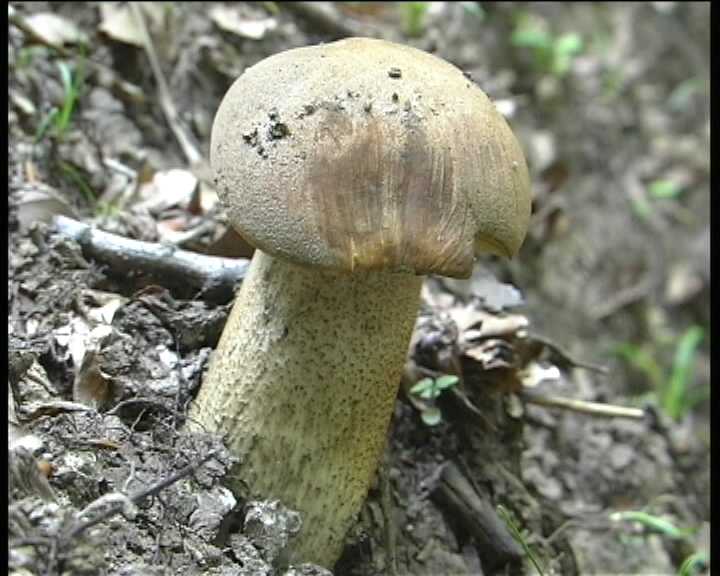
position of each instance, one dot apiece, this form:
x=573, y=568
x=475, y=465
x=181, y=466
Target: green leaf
x=414, y=15
x=66, y=77
x=504, y=513
x=431, y=416
x=69, y=98
x=655, y=523
x=42, y=128
x=422, y=386
x=430, y=393
x=569, y=44
x=530, y=38
x=664, y=189
x=446, y=381
x=643, y=361
x=693, y=564
x=561, y=64
x=674, y=399
x=642, y=207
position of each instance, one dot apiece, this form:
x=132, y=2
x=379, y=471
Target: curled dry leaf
x=55, y=30
x=92, y=387
x=230, y=20
x=476, y=324
x=492, y=354
x=82, y=337
x=119, y=24
x=31, y=390
x=78, y=335
x=535, y=373
x=174, y=187
x=494, y=295
x=38, y=202
x=493, y=326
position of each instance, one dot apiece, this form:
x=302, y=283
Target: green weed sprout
x=59, y=119
x=552, y=54
x=430, y=389
x=517, y=534
x=653, y=523
x=672, y=391
x=413, y=14
x=694, y=564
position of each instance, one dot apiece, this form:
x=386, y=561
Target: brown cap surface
x=365, y=154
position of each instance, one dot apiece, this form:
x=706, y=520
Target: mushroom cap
x=366, y=154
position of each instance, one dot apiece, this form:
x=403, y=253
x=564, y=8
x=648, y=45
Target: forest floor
x=608, y=301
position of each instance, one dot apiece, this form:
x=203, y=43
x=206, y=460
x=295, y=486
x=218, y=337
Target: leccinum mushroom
x=354, y=168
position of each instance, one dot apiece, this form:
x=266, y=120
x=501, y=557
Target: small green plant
x=671, y=390
x=552, y=54
x=75, y=177
x=653, y=523
x=27, y=54
x=58, y=119
x=413, y=16
x=664, y=189
x=659, y=190
x=430, y=389
x=694, y=564
x=504, y=513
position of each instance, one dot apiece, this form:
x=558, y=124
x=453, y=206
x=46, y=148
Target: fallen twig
x=166, y=102
x=623, y=298
x=213, y=277
x=565, y=356
x=120, y=502
x=475, y=512
x=594, y=408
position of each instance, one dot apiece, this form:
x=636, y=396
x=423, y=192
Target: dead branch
x=565, y=357
x=592, y=408
x=213, y=277
x=623, y=298
x=463, y=502
x=119, y=504
x=184, y=139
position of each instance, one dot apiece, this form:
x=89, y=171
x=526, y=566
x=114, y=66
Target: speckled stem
x=303, y=384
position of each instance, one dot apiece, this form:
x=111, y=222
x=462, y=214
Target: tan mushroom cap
x=365, y=154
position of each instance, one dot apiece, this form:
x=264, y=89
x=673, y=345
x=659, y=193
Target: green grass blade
x=654, y=523
x=675, y=397
x=515, y=531
x=693, y=564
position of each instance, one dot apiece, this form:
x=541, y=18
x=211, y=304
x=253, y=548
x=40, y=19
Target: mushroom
x=354, y=168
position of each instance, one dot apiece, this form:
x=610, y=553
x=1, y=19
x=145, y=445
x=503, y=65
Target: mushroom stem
x=303, y=385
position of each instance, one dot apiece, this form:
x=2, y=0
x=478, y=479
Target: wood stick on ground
x=592, y=408
x=166, y=102
x=461, y=500
x=565, y=356
x=214, y=278
x=623, y=298
x=120, y=503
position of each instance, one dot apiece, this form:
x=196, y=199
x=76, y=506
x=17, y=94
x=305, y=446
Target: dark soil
x=105, y=359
